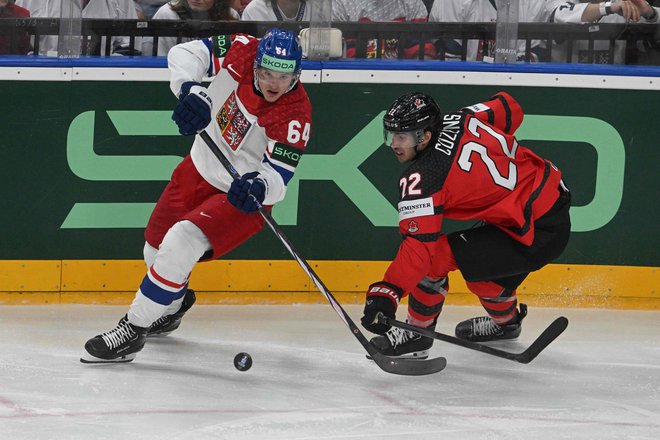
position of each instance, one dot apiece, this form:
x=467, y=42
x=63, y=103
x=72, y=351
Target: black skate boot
x=167, y=324
x=120, y=344
x=399, y=343
x=484, y=329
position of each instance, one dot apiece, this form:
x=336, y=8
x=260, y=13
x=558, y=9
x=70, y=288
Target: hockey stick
x=391, y=365
x=549, y=334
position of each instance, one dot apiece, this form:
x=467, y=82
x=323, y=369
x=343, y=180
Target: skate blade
x=89, y=359
x=159, y=334
x=417, y=355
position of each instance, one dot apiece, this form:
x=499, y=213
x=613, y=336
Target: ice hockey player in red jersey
x=465, y=165
x=258, y=113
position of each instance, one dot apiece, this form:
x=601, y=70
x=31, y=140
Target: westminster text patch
x=415, y=208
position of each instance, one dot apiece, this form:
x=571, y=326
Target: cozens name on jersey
x=450, y=130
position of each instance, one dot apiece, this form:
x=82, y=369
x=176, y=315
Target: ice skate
x=167, y=324
x=399, y=343
x=484, y=329
x=120, y=344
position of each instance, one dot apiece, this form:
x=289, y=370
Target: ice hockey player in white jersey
x=258, y=113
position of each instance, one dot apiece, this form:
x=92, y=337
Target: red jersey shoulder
x=289, y=120
x=238, y=52
x=501, y=111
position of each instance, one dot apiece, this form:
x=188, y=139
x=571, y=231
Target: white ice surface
x=310, y=380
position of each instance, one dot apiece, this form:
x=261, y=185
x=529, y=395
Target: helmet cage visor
x=403, y=139
x=265, y=74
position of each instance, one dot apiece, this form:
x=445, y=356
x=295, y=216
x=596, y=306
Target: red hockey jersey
x=474, y=169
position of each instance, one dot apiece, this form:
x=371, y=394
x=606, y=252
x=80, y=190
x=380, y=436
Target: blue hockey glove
x=247, y=193
x=193, y=111
x=382, y=297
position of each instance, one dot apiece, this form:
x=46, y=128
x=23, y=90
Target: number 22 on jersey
x=485, y=133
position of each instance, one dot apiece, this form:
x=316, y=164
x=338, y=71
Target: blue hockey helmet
x=279, y=50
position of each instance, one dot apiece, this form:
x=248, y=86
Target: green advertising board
x=85, y=161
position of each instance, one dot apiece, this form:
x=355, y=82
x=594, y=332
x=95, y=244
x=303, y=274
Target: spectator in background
x=139, y=10
x=208, y=10
x=469, y=11
x=239, y=5
x=113, y=9
x=276, y=10
x=588, y=11
x=21, y=43
x=149, y=7
x=383, y=11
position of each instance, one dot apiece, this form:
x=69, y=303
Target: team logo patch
x=232, y=122
x=419, y=103
x=413, y=226
x=221, y=44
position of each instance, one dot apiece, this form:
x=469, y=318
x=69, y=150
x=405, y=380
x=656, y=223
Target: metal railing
x=638, y=39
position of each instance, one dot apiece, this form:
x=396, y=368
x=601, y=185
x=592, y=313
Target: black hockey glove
x=247, y=193
x=193, y=111
x=382, y=297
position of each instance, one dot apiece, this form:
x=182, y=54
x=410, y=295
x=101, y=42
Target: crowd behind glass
x=362, y=11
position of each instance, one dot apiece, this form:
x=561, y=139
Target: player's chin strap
x=419, y=137
x=416, y=152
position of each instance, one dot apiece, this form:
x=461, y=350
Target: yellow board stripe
x=283, y=282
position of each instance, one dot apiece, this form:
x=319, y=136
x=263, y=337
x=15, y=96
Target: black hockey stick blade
x=549, y=334
x=405, y=367
x=408, y=367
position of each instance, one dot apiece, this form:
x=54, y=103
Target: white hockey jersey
x=109, y=9
x=379, y=10
x=571, y=12
x=166, y=43
x=254, y=135
x=457, y=11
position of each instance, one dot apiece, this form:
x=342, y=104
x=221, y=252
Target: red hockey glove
x=382, y=297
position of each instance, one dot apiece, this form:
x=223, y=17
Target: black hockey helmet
x=412, y=112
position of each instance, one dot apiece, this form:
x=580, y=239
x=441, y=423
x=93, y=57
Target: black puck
x=242, y=361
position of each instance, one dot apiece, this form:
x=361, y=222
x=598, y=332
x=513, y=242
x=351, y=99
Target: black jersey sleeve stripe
x=507, y=112
x=527, y=212
x=491, y=116
x=424, y=238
